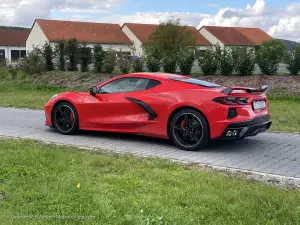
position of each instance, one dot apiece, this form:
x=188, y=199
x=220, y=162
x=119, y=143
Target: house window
x=2, y=54
x=15, y=55
x=201, y=53
x=23, y=53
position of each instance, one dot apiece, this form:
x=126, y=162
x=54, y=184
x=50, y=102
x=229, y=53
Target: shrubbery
x=124, y=63
x=33, y=63
x=85, y=57
x=109, y=62
x=292, y=59
x=61, y=53
x=72, y=47
x=169, y=64
x=224, y=60
x=48, y=55
x=244, y=60
x=137, y=64
x=269, y=55
x=153, y=60
x=99, y=55
x=186, y=61
x=208, y=63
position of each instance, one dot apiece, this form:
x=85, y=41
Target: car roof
x=159, y=76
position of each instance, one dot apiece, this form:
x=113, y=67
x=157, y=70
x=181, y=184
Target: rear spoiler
x=229, y=90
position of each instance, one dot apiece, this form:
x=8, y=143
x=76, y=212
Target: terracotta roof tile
x=239, y=35
x=84, y=31
x=14, y=37
x=143, y=31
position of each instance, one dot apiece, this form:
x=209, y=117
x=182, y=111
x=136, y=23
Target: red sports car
x=189, y=111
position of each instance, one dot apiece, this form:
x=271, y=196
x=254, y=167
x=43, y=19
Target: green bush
x=244, y=60
x=33, y=63
x=153, y=59
x=225, y=60
x=85, y=56
x=61, y=53
x=99, y=55
x=109, y=62
x=208, y=62
x=269, y=55
x=186, y=61
x=48, y=55
x=169, y=64
x=72, y=47
x=13, y=70
x=137, y=64
x=124, y=63
x=153, y=64
x=292, y=59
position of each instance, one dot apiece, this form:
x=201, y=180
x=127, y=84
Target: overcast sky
x=280, y=18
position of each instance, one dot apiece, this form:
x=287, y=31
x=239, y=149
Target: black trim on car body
x=145, y=106
x=247, y=128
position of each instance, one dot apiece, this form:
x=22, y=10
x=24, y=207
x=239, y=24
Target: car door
x=118, y=106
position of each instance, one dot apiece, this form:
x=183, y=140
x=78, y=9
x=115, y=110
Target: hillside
x=13, y=28
x=289, y=44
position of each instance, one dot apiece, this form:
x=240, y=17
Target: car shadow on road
x=214, y=146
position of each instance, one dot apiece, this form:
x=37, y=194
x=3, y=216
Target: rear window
x=197, y=82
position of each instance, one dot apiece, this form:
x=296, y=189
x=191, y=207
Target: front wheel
x=189, y=130
x=65, y=118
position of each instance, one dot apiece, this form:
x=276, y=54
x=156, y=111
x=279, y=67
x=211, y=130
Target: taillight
x=229, y=100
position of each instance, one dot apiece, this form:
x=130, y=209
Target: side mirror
x=93, y=90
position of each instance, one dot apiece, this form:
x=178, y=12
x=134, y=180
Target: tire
x=70, y=117
x=189, y=130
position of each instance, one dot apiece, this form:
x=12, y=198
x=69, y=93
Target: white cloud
x=24, y=12
x=278, y=22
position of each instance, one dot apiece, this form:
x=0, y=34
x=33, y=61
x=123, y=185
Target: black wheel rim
x=64, y=118
x=188, y=130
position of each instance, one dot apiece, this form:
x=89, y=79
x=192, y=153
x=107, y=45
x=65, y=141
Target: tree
x=165, y=42
x=269, y=55
x=85, y=57
x=170, y=38
x=99, y=55
x=292, y=59
x=48, y=55
x=61, y=52
x=244, y=60
x=72, y=47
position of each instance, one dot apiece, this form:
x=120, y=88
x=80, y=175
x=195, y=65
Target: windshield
x=198, y=82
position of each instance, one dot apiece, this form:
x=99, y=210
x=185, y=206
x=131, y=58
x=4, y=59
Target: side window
x=128, y=84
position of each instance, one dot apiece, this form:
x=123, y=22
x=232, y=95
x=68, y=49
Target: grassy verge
x=38, y=179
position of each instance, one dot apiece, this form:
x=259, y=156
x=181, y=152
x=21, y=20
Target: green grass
x=38, y=179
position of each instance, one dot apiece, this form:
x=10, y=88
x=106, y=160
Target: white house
x=234, y=36
x=139, y=33
x=13, y=43
x=107, y=35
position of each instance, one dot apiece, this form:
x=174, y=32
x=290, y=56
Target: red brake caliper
x=71, y=117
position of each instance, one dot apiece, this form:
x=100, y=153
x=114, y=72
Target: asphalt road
x=271, y=153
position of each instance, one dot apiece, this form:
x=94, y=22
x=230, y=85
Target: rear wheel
x=65, y=118
x=189, y=130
